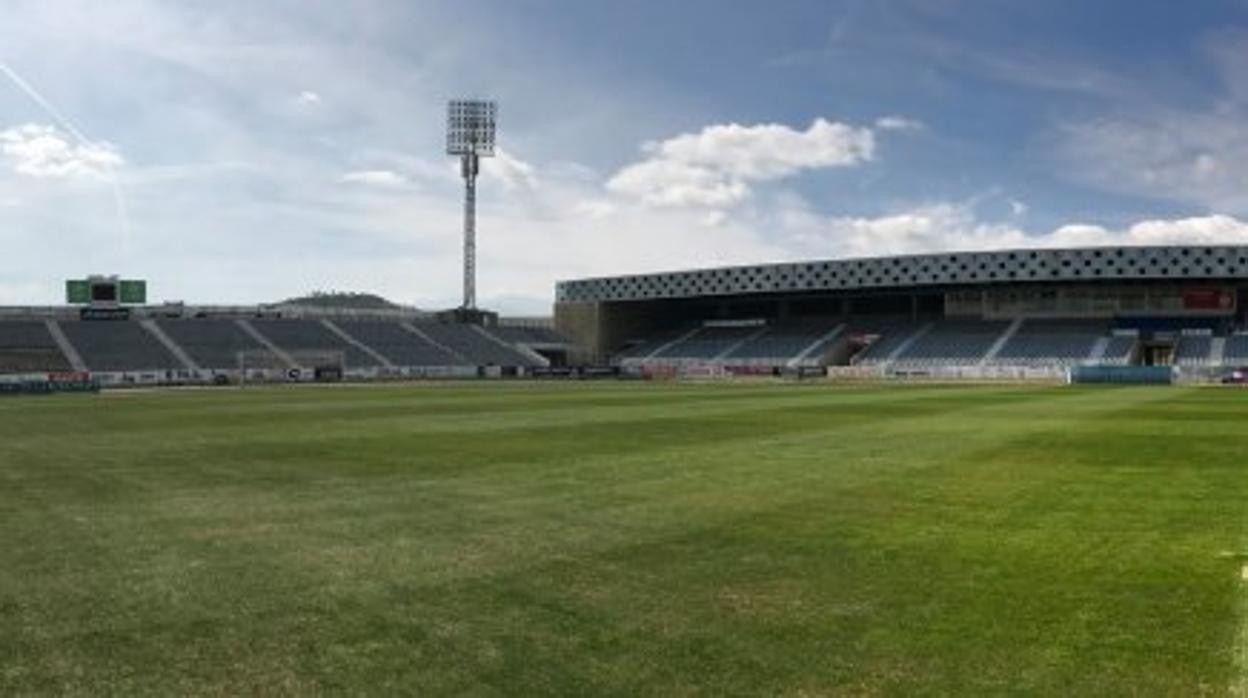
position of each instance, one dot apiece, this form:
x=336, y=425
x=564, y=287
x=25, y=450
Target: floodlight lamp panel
x=470, y=127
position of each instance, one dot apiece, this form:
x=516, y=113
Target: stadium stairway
x=1041, y=342
x=534, y=358
x=214, y=344
x=66, y=347
x=1217, y=352
x=449, y=351
x=908, y=341
x=814, y=351
x=187, y=362
x=346, y=337
x=743, y=341
x=1004, y=339
x=663, y=348
x=305, y=335
x=265, y=342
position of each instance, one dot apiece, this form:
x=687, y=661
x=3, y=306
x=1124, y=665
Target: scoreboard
x=105, y=291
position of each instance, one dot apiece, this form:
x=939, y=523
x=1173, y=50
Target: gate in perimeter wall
x=1123, y=375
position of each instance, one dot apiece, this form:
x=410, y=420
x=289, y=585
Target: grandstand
x=1043, y=311
x=1036, y=313
x=146, y=345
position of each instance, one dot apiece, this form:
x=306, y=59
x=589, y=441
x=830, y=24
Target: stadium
x=827, y=477
x=1139, y=314
x=997, y=464
x=1021, y=313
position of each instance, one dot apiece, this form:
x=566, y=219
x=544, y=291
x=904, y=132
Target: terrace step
x=810, y=348
x=67, y=348
x=265, y=342
x=173, y=347
x=344, y=336
x=1002, y=341
x=909, y=341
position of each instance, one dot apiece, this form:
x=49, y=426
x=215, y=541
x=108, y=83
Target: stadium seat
x=26, y=346
x=783, y=341
x=707, y=342
x=468, y=342
x=212, y=343
x=1236, y=351
x=399, y=346
x=955, y=342
x=1194, y=350
x=1051, y=343
x=310, y=335
x=118, y=345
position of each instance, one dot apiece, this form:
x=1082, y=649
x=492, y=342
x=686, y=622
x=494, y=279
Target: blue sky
x=242, y=152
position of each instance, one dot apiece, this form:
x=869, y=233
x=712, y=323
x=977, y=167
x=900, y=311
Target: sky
x=242, y=152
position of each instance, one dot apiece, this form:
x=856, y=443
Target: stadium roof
x=1188, y=262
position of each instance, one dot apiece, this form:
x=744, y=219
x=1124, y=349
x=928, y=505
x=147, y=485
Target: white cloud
x=716, y=166
x=898, y=123
x=41, y=150
x=1194, y=153
x=948, y=227
x=308, y=97
x=594, y=209
x=510, y=170
x=1197, y=230
x=377, y=178
x=1185, y=156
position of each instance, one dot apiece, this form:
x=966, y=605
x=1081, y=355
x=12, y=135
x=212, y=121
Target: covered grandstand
x=1013, y=312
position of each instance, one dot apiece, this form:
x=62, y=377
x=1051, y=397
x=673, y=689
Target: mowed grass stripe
x=759, y=540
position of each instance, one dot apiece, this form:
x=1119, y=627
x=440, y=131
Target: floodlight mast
x=470, y=135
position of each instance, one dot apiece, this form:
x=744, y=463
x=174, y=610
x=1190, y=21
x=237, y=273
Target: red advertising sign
x=1208, y=299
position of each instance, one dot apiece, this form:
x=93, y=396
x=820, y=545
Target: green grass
x=624, y=539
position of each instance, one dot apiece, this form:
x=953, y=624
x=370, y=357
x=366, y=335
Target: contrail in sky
x=63, y=121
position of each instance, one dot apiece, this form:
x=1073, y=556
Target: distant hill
x=343, y=299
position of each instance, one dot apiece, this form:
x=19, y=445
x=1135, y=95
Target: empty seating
x=212, y=343
x=1193, y=350
x=528, y=335
x=1119, y=350
x=1051, y=342
x=782, y=342
x=1236, y=350
x=707, y=342
x=954, y=342
x=888, y=338
x=118, y=345
x=400, y=346
x=27, y=347
x=468, y=342
x=641, y=349
x=310, y=335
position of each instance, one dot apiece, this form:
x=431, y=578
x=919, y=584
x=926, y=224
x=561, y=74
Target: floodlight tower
x=470, y=135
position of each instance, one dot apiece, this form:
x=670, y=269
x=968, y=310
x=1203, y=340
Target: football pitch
x=625, y=539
